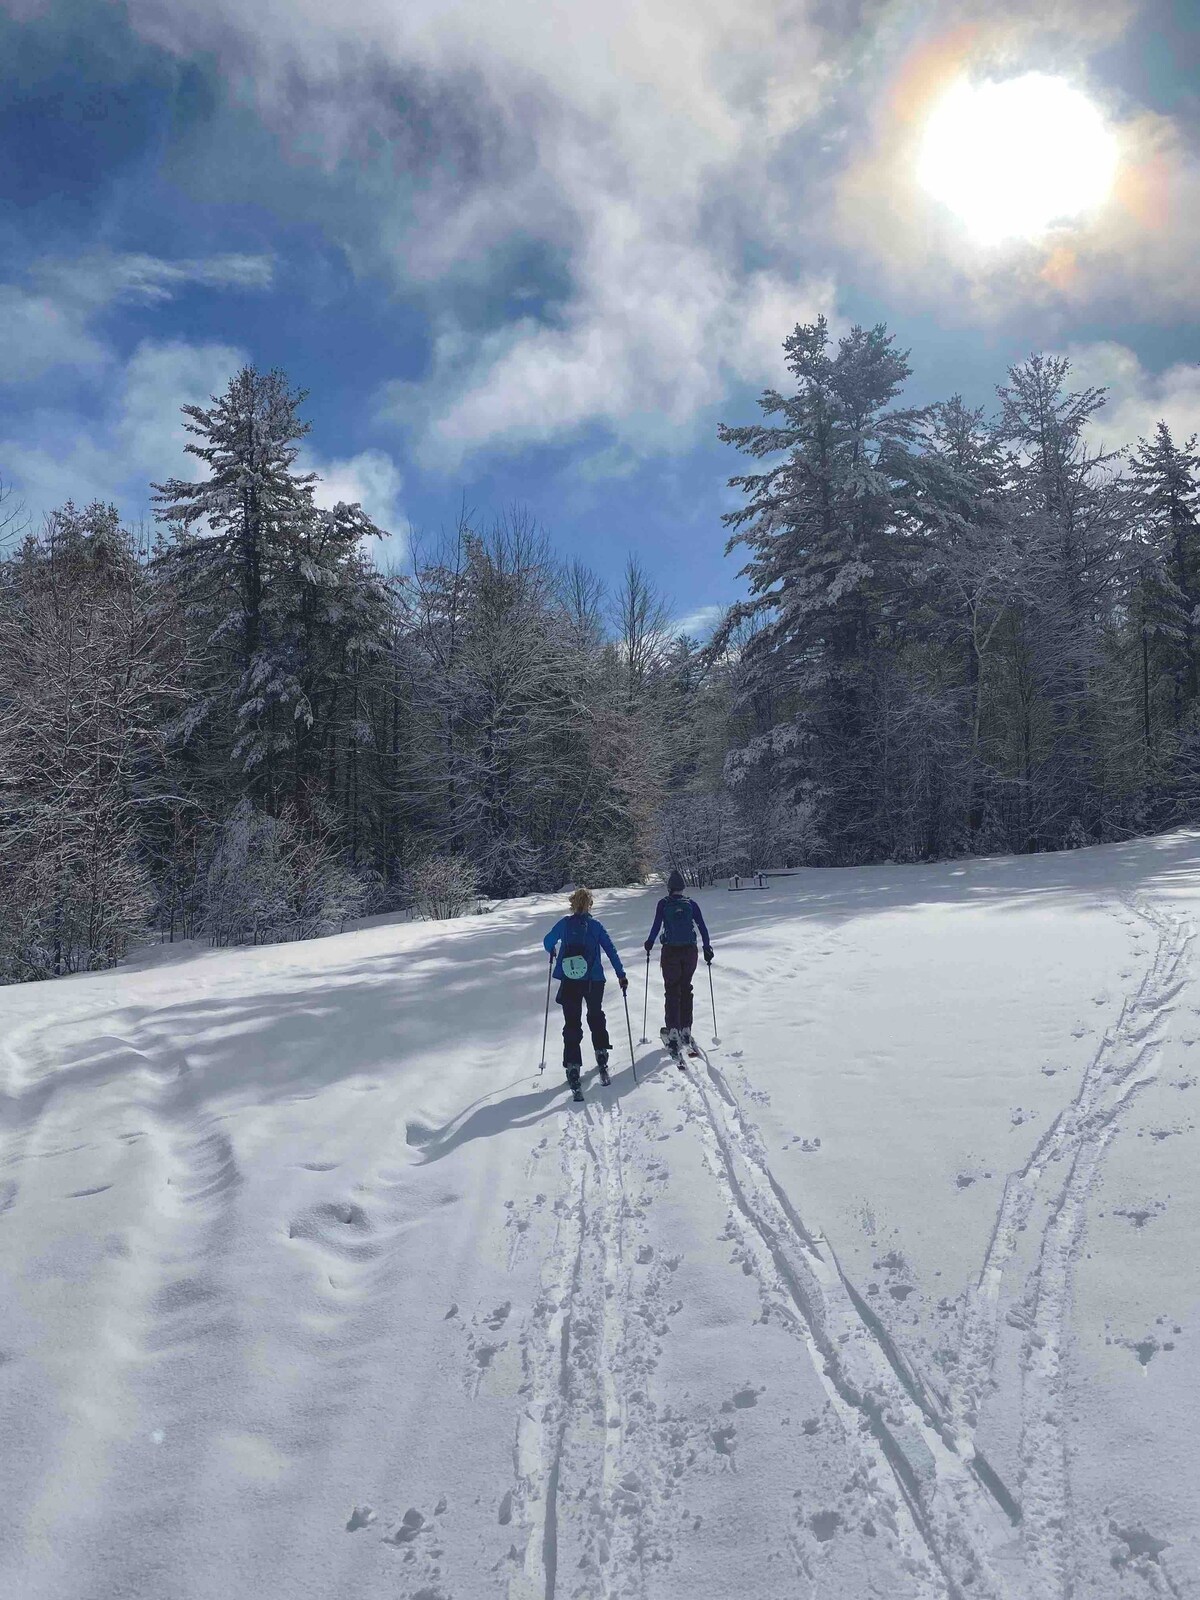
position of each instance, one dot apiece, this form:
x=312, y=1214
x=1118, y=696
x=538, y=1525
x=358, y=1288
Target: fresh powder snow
x=312, y=1286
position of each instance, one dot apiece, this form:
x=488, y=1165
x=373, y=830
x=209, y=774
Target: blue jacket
x=658, y=920
x=593, y=936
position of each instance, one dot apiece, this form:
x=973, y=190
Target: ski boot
x=670, y=1037
x=602, y=1067
x=688, y=1043
x=573, y=1083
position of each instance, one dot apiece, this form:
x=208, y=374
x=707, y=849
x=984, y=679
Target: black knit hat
x=675, y=883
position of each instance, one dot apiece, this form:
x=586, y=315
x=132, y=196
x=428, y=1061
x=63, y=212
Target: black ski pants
x=678, y=968
x=573, y=994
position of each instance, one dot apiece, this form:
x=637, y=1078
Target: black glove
x=624, y=982
x=648, y=946
x=708, y=954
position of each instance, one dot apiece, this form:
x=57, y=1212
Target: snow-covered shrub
x=444, y=886
x=272, y=878
x=84, y=673
x=698, y=836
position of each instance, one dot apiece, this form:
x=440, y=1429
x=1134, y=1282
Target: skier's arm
x=610, y=951
x=553, y=936
x=696, y=912
x=658, y=917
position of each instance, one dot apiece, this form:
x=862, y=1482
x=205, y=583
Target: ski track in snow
x=595, y=1461
x=1125, y=1062
x=954, y=1534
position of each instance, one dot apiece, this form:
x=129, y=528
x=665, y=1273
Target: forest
x=962, y=632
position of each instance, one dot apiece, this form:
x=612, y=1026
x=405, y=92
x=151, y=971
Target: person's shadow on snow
x=489, y=1116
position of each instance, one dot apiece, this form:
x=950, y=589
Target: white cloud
x=371, y=478
x=700, y=623
x=1137, y=399
x=98, y=279
x=137, y=439
x=38, y=333
x=50, y=324
x=633, y=140
x=649, y=344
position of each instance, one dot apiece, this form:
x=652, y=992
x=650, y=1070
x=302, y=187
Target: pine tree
x=1067, y=505
x=823, y=527
x=1165, y=482
x=236, y=533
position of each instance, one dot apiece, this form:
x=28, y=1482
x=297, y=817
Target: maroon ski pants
x=678, y=967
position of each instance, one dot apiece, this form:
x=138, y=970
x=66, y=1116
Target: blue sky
x=535, y=253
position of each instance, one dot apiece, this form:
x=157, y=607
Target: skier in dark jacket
x=580, y=971
x=678, y=917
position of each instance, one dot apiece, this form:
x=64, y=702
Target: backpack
x=679, y=924
x=577, y=951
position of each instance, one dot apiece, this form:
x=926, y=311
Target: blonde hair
x=581, y=902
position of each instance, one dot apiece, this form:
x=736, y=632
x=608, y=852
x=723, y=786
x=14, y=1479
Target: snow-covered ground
x=311, y=1287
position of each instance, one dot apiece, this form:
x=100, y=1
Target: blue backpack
x=679, y=925
x=578, y=951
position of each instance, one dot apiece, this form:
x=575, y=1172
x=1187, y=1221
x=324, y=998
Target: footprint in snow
x=743, y=1399
x=499, y=1316
x=725, y=1440
x=411, y=1525
x=825, y=1524
x=1135, y=1544
x=1140, y=1214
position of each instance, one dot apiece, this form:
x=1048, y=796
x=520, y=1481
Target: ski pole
x=546, y=1023
x=646, y=1004
x=629, y=1031
x=713, y=998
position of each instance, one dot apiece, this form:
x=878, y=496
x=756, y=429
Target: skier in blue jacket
x=580, y=971
x=678, y=917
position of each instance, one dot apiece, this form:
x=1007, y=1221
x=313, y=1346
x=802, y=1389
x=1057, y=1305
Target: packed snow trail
x=953, y=1530
x=312, y=1285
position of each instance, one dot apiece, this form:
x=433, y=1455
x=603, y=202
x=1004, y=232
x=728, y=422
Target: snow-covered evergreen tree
x=823, y=526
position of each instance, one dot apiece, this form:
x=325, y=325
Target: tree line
x=959, y=634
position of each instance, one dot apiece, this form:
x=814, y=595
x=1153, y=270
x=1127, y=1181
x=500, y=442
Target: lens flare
x=1013, y=159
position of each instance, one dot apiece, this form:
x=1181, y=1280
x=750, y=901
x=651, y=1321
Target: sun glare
x=1012, y=159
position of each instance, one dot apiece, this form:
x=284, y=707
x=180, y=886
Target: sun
x=1015, y=158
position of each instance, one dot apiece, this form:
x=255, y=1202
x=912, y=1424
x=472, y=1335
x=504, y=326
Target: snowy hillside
x=311, y=1287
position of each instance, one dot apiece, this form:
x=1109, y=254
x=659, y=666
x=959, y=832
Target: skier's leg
x=572, y=1004
x=671, y=984
x=595, y=1016
x=687, y=968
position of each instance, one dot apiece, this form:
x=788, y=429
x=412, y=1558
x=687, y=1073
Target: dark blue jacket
x=593, y=936
x=658, y=920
